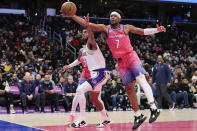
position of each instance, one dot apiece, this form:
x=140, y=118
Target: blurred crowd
x=29, y=58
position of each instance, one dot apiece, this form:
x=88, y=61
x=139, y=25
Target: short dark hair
x=117, y=10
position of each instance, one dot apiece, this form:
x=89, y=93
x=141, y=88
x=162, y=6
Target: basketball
x=69, y=9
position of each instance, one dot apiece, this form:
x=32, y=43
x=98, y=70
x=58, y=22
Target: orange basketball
x=69, y=8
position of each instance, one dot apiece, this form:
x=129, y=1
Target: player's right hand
x=66, y=67
x=87, y=20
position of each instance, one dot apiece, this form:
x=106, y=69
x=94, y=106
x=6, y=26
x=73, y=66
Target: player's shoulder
x=128, y=26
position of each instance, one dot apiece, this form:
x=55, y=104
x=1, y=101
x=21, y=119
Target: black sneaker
x=42, y=110
x=78, y=124
x=103, y=124
x=57, y=110
x=37, y=109
x=138, y=121
x=52, y=110
x=154, y=114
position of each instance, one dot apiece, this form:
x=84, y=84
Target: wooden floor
x=59, y=119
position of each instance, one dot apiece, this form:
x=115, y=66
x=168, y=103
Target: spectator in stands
x=27, y=91
x=193, y=86
x=177, y=95
x=161, y=79
x=114, y=95
x=69, y=91
x=7, y=67
x=48, y=93
x=38, y=79
x=14, y=81
x=194, y=76
x=61, y=83
x=3, y=60
x=7, y=95
x=121, y=93
x=184, y=86
x=106, y=95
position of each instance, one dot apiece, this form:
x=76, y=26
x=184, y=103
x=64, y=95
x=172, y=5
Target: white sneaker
x=79, y=124
x=12, y=111
x=103, y=124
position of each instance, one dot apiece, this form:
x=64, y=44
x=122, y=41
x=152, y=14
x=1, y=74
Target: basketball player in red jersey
x=129, y=64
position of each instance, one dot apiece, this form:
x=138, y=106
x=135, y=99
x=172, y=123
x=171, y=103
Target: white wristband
x=76, y=62
x=150, y=31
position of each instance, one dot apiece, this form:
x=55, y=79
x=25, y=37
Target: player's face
x=114, y=19
x=84, y=34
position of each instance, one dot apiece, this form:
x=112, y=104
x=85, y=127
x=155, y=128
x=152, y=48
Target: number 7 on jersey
x=117, y=42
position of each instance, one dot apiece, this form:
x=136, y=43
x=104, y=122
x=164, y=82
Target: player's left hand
x=161, y=28
x=87, y=20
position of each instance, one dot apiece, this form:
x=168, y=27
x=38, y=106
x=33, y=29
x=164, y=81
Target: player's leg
x=128, y=80
x=74, y=104
x=85, y=87
x=95, y=98
x=149, y=94
x=137, y=72
x=139, y=117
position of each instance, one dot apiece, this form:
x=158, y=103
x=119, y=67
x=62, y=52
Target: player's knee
x=94, y=97
x=141, y=78
x=79, y=90
x=130, y=86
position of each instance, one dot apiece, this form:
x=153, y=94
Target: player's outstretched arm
x=94, y=27
x=74, y=63
x=147, y=31
x=91, y=40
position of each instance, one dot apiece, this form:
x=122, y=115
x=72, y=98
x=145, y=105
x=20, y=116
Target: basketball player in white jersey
x=95, y=61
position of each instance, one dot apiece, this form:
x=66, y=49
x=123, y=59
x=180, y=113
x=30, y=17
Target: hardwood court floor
x=170, y=120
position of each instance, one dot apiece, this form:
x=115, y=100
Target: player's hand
x=168, y=84
x=87, y=20
x=161, y=28
x=66, y=67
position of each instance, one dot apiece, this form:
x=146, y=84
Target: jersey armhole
x=124, y=29
x=107, y=31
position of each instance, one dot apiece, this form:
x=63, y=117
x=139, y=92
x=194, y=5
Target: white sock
x=153, y=106
x=146, y=87
x=104, y=114
x=137, y=113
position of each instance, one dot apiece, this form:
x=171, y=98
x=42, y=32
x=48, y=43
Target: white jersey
x=93, y=58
